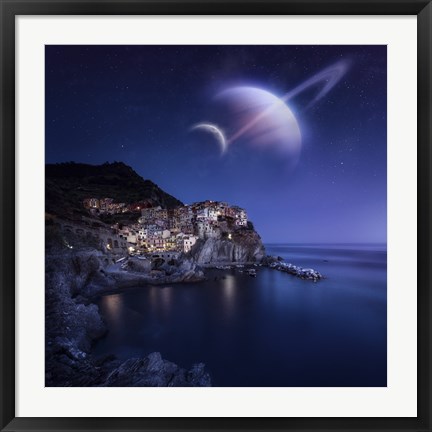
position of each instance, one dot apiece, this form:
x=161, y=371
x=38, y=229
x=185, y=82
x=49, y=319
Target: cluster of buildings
x=97, y=206
x=180, y=228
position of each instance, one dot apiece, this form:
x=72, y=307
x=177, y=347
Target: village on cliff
x=168, y=230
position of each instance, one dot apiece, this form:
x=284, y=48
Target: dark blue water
x=272, y=330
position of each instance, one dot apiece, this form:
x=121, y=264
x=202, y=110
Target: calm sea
x=272, y=330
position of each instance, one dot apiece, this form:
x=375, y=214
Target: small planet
x=215, y=131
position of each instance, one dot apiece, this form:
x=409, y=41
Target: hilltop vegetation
x=68, y=184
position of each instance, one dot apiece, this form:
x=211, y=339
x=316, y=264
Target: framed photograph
x=215, y=216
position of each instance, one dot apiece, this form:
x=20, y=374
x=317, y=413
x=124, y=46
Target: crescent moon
x=215, y=131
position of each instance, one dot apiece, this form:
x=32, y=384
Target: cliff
x=241, y=246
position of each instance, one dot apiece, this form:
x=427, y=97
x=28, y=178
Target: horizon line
x=327, y=243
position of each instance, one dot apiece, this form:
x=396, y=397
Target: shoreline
x=240, y=268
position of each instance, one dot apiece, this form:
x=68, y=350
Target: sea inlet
x=274, y=330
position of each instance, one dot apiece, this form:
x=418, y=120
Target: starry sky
x=137, y=104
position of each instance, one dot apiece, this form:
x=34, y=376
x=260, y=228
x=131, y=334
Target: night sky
x=138, y=105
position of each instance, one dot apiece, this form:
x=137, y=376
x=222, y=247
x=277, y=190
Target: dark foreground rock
x=153, y=371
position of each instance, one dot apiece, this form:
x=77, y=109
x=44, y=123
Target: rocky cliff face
x=244, y=246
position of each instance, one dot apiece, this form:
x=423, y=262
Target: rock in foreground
x=153, y=371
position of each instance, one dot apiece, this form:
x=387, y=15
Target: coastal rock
x=244, y=246
x=129, y=279
x=66, y=315
x=138, y=265
x=302, y=273
x=153, y=371
x=270, y=259
x=187, y=265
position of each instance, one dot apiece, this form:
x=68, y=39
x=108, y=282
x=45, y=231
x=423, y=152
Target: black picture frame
x=9, y=9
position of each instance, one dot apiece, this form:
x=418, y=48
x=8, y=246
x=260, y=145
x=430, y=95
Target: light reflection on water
x=229, y=291
x=113, y=304
x=166, y=299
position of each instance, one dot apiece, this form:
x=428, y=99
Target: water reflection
x=166, y=299
x=160, y=299
x=229, y=293
x=113, y=305
x=153, y=296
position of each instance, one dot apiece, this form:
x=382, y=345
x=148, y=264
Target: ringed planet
x=330, y=76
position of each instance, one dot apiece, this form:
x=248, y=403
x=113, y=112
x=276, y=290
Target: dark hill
x=68, y=184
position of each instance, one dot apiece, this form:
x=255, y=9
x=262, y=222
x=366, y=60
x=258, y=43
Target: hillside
x=68, y=184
